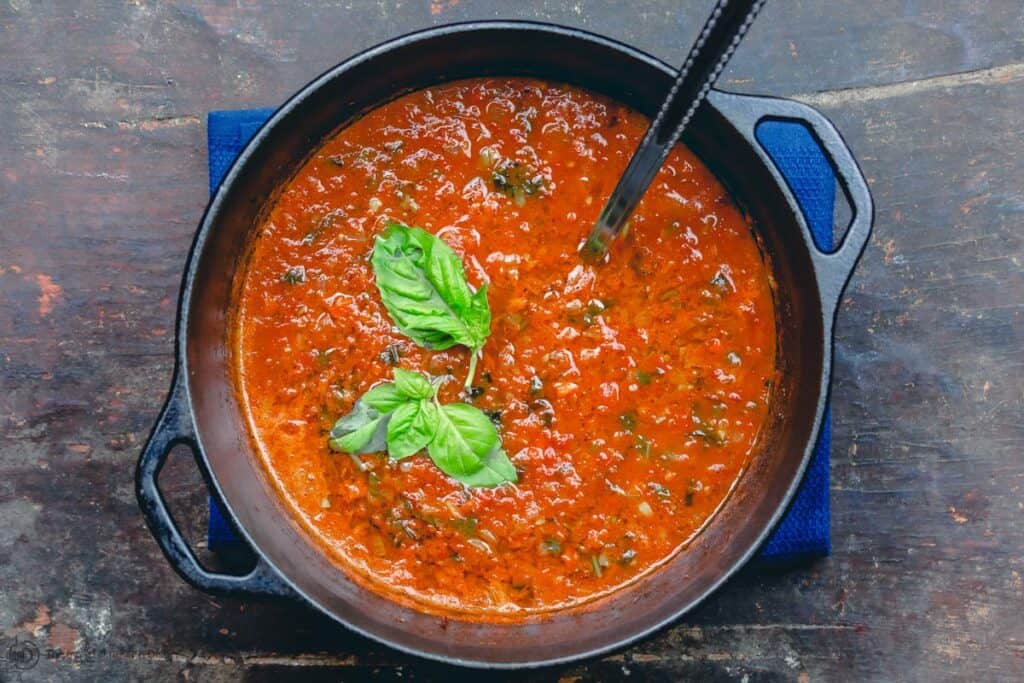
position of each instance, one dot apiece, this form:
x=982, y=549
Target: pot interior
x=414, y=62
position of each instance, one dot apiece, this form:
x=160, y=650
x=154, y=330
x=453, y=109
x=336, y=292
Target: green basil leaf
x=444, y=270
x=497, y=470
x=460, y=438
x=364, y=430
x=411, y=428
x=384, y=397
x=464, y=437
x=359, y=440
x=423, y=286
x=412, y=384
x=478, y=315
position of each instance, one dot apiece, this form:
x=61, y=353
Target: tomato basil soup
x=628, y=396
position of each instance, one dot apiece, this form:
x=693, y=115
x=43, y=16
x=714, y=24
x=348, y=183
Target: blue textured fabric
x=803, y=533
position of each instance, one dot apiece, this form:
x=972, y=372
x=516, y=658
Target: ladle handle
x=718, y=40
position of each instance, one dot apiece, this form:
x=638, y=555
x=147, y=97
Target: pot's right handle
x=832, y=269
x=174, y=427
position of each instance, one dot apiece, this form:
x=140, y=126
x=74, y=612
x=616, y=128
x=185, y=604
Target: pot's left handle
x=174, y=427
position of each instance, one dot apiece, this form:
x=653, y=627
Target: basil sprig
x=423, y=286
x=404, y=417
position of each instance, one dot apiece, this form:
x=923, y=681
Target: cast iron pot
x=203, y=413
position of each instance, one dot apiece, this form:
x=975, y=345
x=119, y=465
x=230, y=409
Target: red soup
x=628, y=396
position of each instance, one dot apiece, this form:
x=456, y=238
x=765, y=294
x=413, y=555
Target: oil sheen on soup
x=628, y=395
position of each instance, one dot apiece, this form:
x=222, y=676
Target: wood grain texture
x=102, y=181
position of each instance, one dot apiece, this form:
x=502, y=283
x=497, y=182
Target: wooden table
x=102, y=182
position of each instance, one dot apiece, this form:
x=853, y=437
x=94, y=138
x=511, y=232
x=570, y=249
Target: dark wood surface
x=102, y=181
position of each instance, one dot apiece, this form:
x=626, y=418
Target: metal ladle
x=712, y=50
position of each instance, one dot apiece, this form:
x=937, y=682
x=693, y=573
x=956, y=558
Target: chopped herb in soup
x=468, y=418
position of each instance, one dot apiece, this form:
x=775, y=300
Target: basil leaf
x=423, y=286
x=364, y=430
x=394, y=416
x=497, y=470
x=411, y=428
x=464, y=437
x=412, y=384
x=479, y=313
x=460, y=438
x=361, y=440
x=384, y=397
x=444, y=270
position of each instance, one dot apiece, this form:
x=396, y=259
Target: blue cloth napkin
x=803, y=533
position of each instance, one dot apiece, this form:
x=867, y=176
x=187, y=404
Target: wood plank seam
x=998, y=75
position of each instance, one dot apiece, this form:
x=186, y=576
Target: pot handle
x=832, y=269
x=174, y=427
